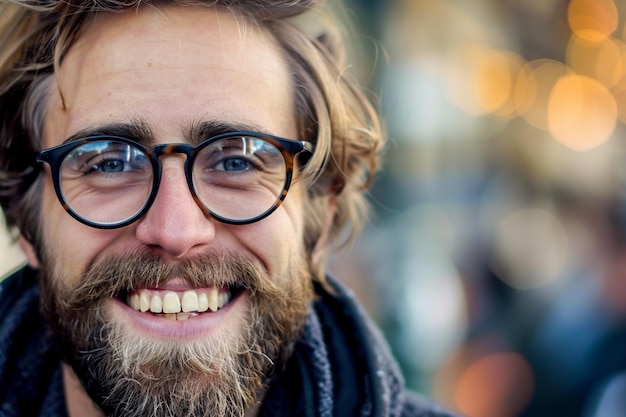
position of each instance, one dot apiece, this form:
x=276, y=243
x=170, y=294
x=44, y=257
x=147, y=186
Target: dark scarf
x=341, y=367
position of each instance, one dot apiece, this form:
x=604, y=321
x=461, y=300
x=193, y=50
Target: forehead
x=171, y=66
x=148, y=30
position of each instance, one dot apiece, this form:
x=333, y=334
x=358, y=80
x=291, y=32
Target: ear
x=29, y=251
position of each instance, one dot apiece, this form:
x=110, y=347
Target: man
x=176, y=171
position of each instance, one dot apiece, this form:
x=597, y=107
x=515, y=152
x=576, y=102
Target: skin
x=170, y=68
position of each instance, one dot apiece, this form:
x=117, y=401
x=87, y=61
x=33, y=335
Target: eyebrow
x=134, y=129
x=140, y=131
x=202, y=130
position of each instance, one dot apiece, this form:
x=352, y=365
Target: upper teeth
x=173, y=302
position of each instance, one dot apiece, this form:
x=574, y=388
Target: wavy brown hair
x=331, y=108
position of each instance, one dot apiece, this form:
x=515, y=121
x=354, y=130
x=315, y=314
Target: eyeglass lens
x=109, y=181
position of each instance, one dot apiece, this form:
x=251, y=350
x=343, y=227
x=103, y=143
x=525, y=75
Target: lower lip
x=201, y=326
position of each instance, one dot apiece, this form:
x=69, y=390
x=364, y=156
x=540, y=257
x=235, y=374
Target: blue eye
x=110, y=165
x=235, y=164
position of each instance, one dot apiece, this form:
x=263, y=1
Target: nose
x=175, y=224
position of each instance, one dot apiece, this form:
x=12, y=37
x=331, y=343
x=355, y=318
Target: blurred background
x=495, y=261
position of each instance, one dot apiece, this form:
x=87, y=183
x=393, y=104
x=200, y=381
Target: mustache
x=120, y=274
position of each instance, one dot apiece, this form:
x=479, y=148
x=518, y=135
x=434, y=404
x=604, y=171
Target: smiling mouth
x=180, y=305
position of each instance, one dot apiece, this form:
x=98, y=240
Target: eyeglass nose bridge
x=172, y=148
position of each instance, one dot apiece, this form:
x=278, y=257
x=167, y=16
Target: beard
x=130, y=375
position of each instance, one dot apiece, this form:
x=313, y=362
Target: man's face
x=169, y=70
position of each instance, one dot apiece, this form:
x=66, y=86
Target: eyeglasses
x=109, y=182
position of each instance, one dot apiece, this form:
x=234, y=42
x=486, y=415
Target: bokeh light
x=533, y=88
x=496, y=385
x=481, y=79
x=602, y=61
x=582, y=113
x=484, y=379
x=593, y=20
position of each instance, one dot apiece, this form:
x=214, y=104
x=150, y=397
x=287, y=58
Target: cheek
x=70, y=245
x=277, y=241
